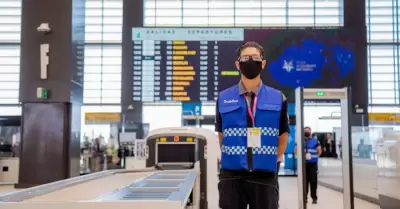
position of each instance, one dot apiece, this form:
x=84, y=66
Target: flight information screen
x=195, y=64
x=181, y=64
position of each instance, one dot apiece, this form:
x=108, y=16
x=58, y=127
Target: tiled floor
x=328, y=199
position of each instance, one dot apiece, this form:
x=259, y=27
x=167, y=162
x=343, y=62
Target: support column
x=354, y=19
x=50, y=138
x=132, y=111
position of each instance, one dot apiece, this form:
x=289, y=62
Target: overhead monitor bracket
x=325, y=94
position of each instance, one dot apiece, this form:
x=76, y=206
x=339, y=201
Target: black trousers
x=278, y=166
x=312, y=179
x=239, y=193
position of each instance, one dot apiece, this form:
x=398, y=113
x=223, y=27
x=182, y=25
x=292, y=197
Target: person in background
x=312, y=153
x=252, y=124
x=329, y=147
x=98, y=153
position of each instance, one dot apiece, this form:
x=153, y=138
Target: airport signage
x=383, y=118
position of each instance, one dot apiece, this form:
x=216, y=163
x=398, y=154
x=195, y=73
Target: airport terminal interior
x=112, y=103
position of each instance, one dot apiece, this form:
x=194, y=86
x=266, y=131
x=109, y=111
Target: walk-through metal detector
x=347, y=164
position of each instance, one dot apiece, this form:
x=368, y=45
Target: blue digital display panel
x=318, y=58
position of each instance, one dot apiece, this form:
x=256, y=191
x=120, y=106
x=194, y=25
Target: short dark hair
x=307, y=127
x=250, y=44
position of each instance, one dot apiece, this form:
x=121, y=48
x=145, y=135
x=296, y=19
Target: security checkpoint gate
x=347, y=165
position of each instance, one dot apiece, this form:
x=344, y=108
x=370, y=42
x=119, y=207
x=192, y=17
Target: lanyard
x=252, y=112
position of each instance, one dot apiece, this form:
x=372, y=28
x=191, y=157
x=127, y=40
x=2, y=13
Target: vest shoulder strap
x=270, y=95
x=229, y=93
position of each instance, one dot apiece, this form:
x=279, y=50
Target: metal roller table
x=122, y=189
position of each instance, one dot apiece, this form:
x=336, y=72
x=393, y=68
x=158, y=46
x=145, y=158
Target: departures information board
x=195, y=64
x=181, y=64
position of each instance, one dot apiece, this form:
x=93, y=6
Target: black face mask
x=307, y=134
x=251, y=69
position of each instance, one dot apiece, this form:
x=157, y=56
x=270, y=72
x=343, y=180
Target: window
x=103, y=56
x=10, y=21
x=383, y=62
x=382, y=23
x=383, y=53
x=9, y=74
x=10, y=32
x=242, y=13
x=104, y=21
x=384, y=109
x=10, y=111
x=102, y=74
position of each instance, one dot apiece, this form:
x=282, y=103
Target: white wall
x=159, y=116
x=312, y=114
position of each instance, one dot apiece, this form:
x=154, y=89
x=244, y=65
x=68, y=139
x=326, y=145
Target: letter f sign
x=44, y=60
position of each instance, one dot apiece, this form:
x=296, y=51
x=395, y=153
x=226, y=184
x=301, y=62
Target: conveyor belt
x=91, y=189
x=163, y=185
x=146, y=188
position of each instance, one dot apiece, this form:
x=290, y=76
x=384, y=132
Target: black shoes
x=313, y=202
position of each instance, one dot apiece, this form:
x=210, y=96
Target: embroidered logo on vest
x=231, y=101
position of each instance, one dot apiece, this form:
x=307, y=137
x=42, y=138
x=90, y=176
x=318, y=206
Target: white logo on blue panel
x=288, y=65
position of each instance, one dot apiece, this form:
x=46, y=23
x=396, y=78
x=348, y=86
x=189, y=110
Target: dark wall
x=133, y=17
x=354, y=19
x=43, y=150
x=50, y=129
x=62, y=65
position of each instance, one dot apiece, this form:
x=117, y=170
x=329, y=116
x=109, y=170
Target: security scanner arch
x=173, y=143
x=343, y=95
x=164, y=184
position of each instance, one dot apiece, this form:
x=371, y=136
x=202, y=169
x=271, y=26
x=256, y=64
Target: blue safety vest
x=311, y=147
x=233, y=111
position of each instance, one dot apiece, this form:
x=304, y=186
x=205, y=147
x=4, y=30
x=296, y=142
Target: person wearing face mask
x=252, y=124
x=312, y=152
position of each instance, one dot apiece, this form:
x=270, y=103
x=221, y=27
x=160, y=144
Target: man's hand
x=319, y=151
x=220, y=136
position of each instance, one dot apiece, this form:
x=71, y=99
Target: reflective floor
x=327, y=198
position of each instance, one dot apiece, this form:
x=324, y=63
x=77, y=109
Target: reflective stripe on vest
x=233, y=110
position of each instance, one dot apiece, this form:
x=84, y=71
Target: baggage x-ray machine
x=347, y=164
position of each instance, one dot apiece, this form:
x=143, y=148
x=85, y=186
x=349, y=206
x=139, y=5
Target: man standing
x=312, y=152
x=253, y=126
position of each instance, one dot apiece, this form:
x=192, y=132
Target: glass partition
x=99, y=146
x=388, y=163
x=364, y=163
x=10, y=136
